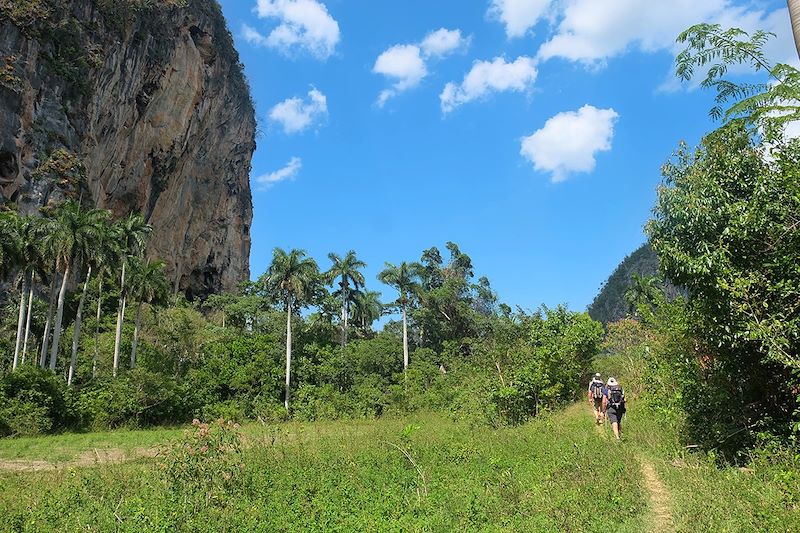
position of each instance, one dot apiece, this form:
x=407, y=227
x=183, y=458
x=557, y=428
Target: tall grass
x=426, y=473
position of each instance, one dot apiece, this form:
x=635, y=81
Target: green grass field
x=423, y=473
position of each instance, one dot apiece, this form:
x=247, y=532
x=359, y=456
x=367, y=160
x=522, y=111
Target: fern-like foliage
x=766, y=106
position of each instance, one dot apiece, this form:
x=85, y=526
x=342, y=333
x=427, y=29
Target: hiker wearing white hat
x=614, y=405
x=596, y=393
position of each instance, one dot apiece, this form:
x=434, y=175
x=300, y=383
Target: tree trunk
x=288, y=353
x=405, y=340
x=23, y=303
x=28, y=323
x=120, y=319
x=794, y=15
x=97, y=326
x=76, y=334
x=136, y=334
x=59, y=316
x=50, y=304
x=344, y=318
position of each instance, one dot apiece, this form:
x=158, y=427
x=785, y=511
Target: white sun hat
x=612, y=382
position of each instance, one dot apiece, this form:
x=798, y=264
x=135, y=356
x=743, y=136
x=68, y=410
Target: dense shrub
x=240, y=376
x=137, y=398
x=34, y=401
x=561, y=348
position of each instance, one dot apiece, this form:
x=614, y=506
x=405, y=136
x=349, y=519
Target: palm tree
x=21, y=244
x=291, y=279
x=132, y=236
x=27, y=325
x=148, y=284
x=50, y=304
x=71, y=234
x=9, y=243
x=367, y=308
x=347, y=270
x=105, y=258
x=98, y=219
x=405, y=278
x=35, y=258
x=794, y=16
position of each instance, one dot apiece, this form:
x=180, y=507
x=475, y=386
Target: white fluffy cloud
x=403, y=64
x=288, y=172
x=442, y=42
x=303, y=25
x=518, y=16
x=591, y=31
x=296, y=114
x=406, y=64
x=568, y=142
x=487, y=77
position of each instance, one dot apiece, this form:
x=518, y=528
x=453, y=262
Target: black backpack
x=616, y=398
x=597, y=389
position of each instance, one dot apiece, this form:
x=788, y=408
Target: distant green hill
x=609, y=304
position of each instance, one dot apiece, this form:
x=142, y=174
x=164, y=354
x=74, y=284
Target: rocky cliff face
x=150, y=95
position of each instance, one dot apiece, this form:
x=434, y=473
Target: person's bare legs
x=615, y=429
x=598, y=412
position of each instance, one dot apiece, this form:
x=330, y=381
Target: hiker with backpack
x=614, y=404
x=596, y=394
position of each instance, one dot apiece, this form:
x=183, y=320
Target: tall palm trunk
x=344, y=317
x=405, y=340
x=288, y=352
x=120, y=319
x=28, y=323
x=59, y=317
x=76, y=334
x=97, y=326
x=23, y=303
x=50, y=303
x=136, y=334
x=794, y=15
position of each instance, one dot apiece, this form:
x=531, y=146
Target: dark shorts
x=613, y=415
x=598, y=403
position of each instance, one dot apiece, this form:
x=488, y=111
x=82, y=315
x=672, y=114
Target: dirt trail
x=88, y=458
x=659, y=498
x=659, y=495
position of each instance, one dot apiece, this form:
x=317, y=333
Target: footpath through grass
x=704, y=496
x=425, y=473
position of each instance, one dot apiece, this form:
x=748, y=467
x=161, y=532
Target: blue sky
x=529, y=132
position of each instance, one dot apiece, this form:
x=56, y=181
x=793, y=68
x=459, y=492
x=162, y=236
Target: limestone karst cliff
x=150, y=95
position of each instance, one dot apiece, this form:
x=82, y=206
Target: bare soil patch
x=92, y=457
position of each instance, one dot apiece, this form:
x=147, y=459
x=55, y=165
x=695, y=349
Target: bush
x=202, y=467
x=34, y=401
x=237, y=372
x=138, y=398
